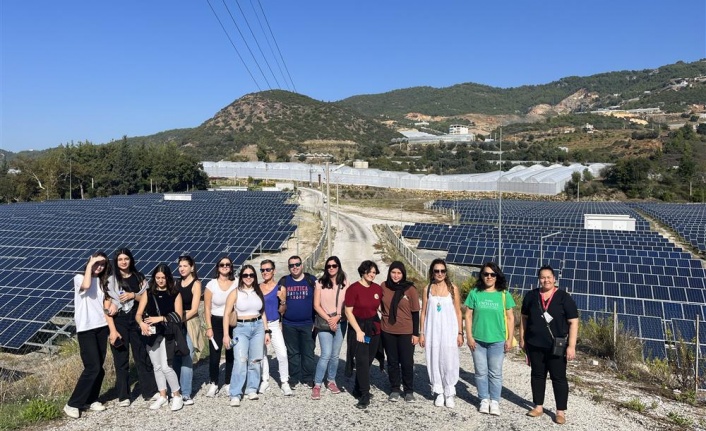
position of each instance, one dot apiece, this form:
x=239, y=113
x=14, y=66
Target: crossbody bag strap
x=541, y=308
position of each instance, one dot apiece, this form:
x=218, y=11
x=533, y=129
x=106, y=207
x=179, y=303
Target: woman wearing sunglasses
x=441, y=333
x=214, y=300
x=490, y=325
x=249, y=336
x=190, y=290
x=329, y=295
x=275, y=297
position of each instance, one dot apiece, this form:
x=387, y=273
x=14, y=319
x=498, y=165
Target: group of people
x=245, y=314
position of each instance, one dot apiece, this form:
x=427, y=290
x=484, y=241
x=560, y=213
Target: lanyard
x=545, y=304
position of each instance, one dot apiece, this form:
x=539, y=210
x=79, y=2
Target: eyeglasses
x=224, y=265
x=439, y=271
x=266, y=269
x=295, y=265
x=333, y=266
x=489, y=274
x=248, y=275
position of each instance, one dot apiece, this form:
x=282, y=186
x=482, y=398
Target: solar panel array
x=43, y=245
x=653, y=284
x=688, y=220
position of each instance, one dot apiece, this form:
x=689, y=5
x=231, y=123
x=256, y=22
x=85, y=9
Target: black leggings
x=364, y=355
x=542, y=361
x=400, y=356
x=214, y=357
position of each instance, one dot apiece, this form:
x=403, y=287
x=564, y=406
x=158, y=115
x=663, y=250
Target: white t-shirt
x=88, y=305
x=219, y=297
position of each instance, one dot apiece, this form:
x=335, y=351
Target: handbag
x=514, y=340
x=321, y=324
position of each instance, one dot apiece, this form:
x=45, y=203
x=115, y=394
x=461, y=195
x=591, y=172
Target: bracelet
x=460, y=333
x=209, y=327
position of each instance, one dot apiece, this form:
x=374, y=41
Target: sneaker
x=161, y=401
x=409, y=397
x=155, y=397
x=72, y=412
x=316, y=392
x=495, y=408
x=439, y=401
x=188, y=401
x=124, y=403
x=484, y=406
x=310, y=385
x=177, y=403
x=96, y=406
x=286, y=390
x=253, y=396
x=212, y=390
x=450, y=402
x=394, y=397
x=333, y=388
x=226, y=389
x=263, y=387
x=235, y=401
x=363, y=402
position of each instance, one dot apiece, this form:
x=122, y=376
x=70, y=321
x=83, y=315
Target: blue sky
x=97, y=70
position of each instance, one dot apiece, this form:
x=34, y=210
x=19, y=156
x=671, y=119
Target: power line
x=278, y=50
x=257, y=43
x=272, y=51
x=246, y=45
x=234, y=47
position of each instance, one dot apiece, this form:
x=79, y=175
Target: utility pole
x=328, y=211
x=500, y=205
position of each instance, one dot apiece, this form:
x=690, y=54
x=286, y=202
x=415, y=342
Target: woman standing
x=274, y=307
x=548, y=313
x=329, y=295
x=214, y=300
x=490, y=326
x=362, y=302
x=92, y=333
x=161, y=299
x=441, y=334
x=400, y=330
x=249, y=336
x=129, y=285
x=189, y=287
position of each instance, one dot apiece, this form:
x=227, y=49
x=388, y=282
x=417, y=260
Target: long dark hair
x=255, y=284
x=325, y=280
x=192, y=263
x=231, y=276
x=103, y=276
x=500, y=279
x=447, y=280
x=171, y=285
x=122, y=284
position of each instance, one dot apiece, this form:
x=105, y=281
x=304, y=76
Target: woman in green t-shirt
x=490, y=325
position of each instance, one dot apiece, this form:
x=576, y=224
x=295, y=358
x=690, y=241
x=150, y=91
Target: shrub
x=40, y=410
x=635, y=405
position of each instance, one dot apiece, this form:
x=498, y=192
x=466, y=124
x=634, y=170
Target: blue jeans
x=330, y=351
x=488, y=362
x=184, y=366
x=248, y=353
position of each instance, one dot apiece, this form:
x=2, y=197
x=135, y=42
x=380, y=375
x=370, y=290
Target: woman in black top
x=548, y=313
x=190, y=289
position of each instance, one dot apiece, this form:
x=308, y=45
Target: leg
x=308, y=344
x=214, y=356
x=145, y=372
x=406, y=358
x=557, y=372
x=255, y=354
x=159, y=376
x=336, y=352
x=390, y=342
x=538, y=374
x=92, y=367
x=185, y=368
x=496, y=355
x=326, y=345
x=480, y=363
x=170, y=375
x=121, y=358
x=240, y=352
x=265, y=369
x=291, y=341
x=362, y=368
x=277, y=341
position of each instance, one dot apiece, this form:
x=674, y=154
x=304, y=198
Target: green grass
x=23, y=413
x=680, y=420
x=635, y=405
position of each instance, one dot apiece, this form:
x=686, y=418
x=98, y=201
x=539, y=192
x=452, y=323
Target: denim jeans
x=488, y=362
x=248, y=353
x=330, y=351
x=184, y=367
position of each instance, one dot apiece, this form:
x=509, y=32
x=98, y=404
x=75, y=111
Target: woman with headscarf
x=400, y=330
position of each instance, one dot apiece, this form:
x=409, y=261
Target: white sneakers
x=235, y=402
x=124, y=403
x=494, y=408
x=450, y=402
x=253, y=396
x=263, y=387
x=484, y=406
x=226, y=389
x=439, y=401
x=188, y=401
x=72, y=412
x=177, y=403
x=155, y=397
x=96, y=406
x=212, y=390
x=286, y=389
x=159, y=403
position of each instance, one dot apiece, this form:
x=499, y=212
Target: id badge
x=547, y=317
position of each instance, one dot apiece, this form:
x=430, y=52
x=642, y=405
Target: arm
x=195, y=299
x=573, y=336
x=143, y=324
x=523, y=329
x=282, y=295
x=207, y=298
x=114, y=334
x=178, y=306
x=457, y=306
x=510, y=328
x=267, y=329
x=422, y=319
x=317, y=301
x=470, y=341
x=230, y=308
x=359, y=334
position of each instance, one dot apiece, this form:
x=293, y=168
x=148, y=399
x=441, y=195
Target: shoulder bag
x=321, y=324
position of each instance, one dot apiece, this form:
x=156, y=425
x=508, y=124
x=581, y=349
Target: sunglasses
x=224, y=265
x=248, y=275
x=266, y=269
x=295, y=265
x=334, y=266
x=439, y=271
x=489, y=274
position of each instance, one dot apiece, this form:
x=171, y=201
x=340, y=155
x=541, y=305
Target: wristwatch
x=268, y=331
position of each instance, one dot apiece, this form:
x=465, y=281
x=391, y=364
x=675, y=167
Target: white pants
x=276, y=341
x=163, y=373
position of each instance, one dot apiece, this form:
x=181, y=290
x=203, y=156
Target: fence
x=310, y=261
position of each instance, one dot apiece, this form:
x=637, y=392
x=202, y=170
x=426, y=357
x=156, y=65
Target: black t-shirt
x=131, y=283
x=562, y=308
x=165, y=301
x=186, y=295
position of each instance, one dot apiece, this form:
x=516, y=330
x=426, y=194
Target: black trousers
x=300, y=344
x=130, y=332
x=364, y=355
x=93, y=345
x=214, y=356
x=542, y=361
x=400, y=357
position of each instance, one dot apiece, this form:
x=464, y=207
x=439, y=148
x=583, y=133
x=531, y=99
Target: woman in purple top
x=274, y=306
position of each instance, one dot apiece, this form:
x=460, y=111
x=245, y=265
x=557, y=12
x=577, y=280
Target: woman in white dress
x=441, y=333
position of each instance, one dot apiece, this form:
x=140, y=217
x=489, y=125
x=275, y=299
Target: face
x=224, y=267
x=295, y=267
x=185, y=269
x=160, y=279
x=489, y=276
x=370, y=275
x=123, y=262
x=267, y=271
x=546, y=279
x=98, y=267
x=332, y=268
x=439, y=272
x=248, y=277
x=396, y=275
